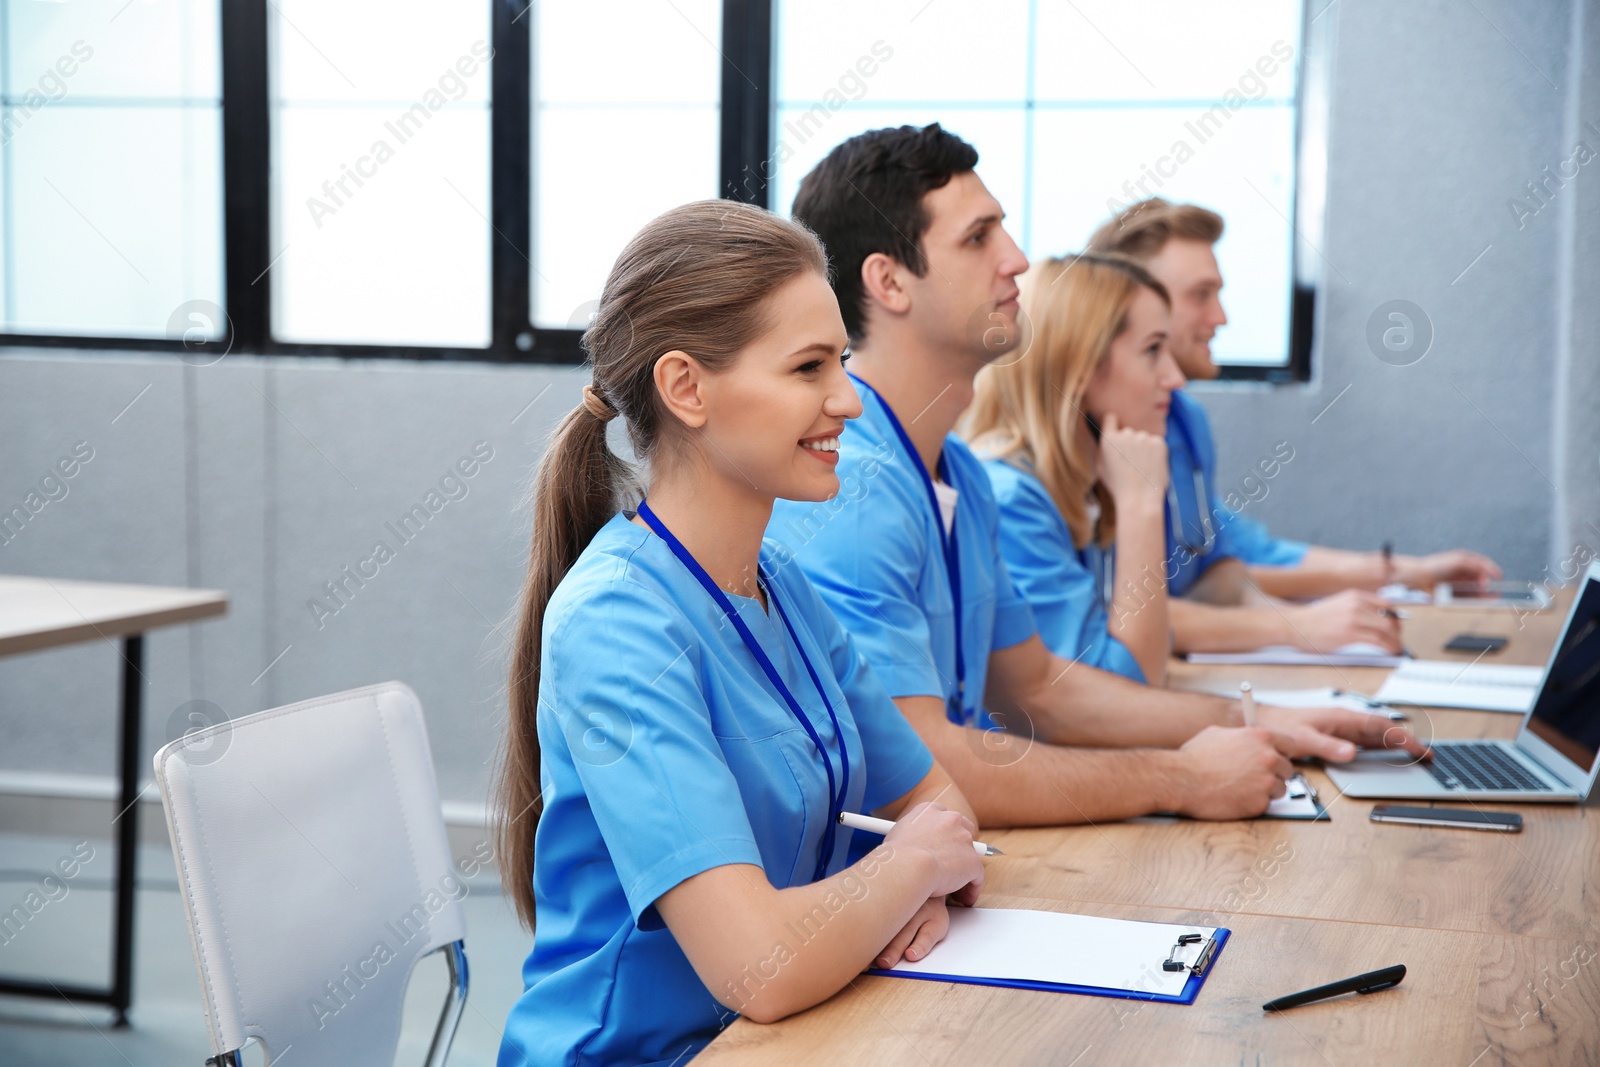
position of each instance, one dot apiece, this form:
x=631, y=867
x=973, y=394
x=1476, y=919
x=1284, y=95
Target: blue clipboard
x=1191, y=988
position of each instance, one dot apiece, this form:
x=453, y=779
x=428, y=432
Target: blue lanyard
x=1102, y=563
x=1202, y=500
x=836, y=798
x=947, y=542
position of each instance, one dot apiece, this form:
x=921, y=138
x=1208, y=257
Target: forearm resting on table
x=1198, y=627
x=1014, y=779
x=1226, y=583
x=1070, y=703
x=768, y=953
x=1321, y=572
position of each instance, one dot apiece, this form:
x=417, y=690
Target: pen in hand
x=1247, y=704
x=883, y=826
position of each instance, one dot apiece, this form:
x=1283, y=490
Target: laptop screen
x=1567, y=713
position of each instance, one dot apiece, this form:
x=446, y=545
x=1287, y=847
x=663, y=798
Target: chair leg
x=455, y=1002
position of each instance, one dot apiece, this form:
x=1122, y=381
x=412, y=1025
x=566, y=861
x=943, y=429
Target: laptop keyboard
x=1475, y=765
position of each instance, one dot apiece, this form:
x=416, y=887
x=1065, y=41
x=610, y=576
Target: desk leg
x=127, y=823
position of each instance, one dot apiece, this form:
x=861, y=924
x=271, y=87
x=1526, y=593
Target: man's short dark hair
x=866, y=196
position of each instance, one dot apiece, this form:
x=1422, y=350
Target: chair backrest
x=314, y=870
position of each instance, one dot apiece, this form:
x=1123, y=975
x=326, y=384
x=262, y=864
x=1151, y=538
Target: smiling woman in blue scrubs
x=1072, y=433
x=687, y=720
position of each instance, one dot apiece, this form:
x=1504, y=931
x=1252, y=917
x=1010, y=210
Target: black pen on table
x=1370, y=982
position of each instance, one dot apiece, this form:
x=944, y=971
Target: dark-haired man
x=926, y=278
x=1211, y=547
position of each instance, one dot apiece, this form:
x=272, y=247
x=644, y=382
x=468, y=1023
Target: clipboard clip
x=1201, y=962
x=1300, y=788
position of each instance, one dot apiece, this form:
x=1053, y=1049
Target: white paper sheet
x=1399, y=593
x=1045, y=946
x=1325, y=697
x=1356, y=655
x=1477, y=686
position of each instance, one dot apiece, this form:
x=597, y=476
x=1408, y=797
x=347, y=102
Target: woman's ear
x=679, y=379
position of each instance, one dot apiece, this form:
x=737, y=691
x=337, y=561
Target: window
x=620, y=134
x=380, y=148
x=108, y=104
x=1077, y=109
x=455, y=180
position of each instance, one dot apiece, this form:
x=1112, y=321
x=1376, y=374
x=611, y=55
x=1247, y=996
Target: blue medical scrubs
x=1190, y=448
x=667, y=752
x=874, y=554
x=1060, y=582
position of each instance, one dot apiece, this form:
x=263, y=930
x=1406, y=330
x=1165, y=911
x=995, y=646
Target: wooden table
x=1500, y=932
x=41, y=613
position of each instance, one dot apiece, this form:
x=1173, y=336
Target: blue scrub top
x=667, y=752
x=1060, y=581
x=1190, y=448
x=874, y=554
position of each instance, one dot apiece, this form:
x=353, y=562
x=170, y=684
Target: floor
x=68, y=939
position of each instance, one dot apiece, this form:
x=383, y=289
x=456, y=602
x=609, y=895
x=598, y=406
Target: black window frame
x=745, y=117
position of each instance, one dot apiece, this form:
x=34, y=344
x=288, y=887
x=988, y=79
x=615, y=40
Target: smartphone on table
x=1461, y=818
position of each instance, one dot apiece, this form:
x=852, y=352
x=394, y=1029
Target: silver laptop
x=1553, y=756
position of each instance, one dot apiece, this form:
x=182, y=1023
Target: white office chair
x=315, y=873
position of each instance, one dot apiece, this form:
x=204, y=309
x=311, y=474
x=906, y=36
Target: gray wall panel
x=1436, y=121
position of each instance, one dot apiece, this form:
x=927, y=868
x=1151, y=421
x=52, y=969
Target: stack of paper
x=1355, y=655
x=1478, y=686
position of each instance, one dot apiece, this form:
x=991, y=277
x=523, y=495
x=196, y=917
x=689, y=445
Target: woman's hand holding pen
x=945, y=837
x=1132, y=464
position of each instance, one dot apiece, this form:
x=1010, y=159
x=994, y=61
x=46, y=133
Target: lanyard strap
x=1101, y=564
x=1202, y=499
x=947, y=542
x=836, y=797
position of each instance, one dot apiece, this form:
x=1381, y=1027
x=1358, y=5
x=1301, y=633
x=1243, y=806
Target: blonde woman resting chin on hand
x=1073, y=435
